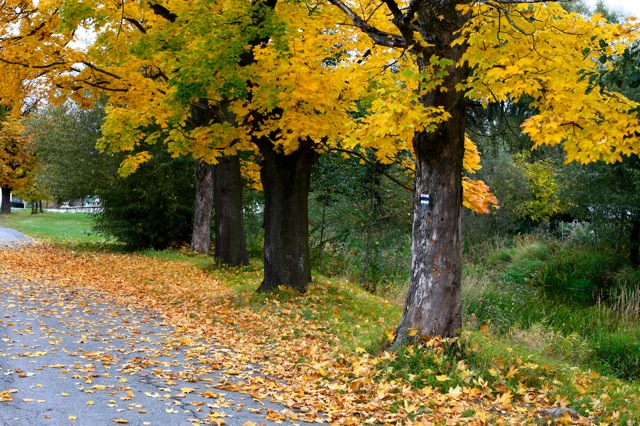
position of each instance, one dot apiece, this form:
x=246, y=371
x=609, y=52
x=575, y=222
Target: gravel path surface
x=77, y=357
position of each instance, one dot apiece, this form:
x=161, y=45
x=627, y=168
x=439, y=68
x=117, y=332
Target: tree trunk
x=634, y=238
x=286, y=180
x=231, y=246
x=432, y=305
x=201, y=238
x=6, y=201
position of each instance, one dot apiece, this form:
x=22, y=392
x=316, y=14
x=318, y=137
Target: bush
x=152, y=208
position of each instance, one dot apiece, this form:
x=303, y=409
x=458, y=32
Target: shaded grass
x=357, y=318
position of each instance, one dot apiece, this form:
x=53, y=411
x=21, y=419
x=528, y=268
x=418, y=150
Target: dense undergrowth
x=545, y=323
x=579, y=305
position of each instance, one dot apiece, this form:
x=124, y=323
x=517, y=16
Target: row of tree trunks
x=286, y=181
x=225, y=181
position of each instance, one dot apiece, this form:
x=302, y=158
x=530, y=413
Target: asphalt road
x=70, y=358
x=9, y=236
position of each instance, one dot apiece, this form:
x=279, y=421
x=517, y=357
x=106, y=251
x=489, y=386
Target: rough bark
x=432, y=305
x=286, y=180
x=201, y=238
x=6, y=201
x=231, y=245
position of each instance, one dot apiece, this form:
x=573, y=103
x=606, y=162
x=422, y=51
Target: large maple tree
x=489, y=51
x=16, y=163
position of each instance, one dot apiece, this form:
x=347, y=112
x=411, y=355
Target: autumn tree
x=490, y=51
x=15, y=160
x=283, y=126
x=607, y=196
x=64, y=140
x=47, y=58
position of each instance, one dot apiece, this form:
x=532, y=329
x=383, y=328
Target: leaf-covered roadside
x=306, y=366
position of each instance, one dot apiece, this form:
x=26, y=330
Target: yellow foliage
x=540, y=52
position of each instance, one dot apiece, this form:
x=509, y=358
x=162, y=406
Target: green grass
x=523, y=290
x=53, y=226
x=357, y=318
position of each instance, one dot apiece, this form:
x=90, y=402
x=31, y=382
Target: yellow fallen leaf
x=90, y=403
x=412, y=332
x=443, y=378
x=121, y=421
x=65, y=394
x=391, y=335
x=72, y=417
x=455, y=392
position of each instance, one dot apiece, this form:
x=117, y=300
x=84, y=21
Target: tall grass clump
x=568, y=303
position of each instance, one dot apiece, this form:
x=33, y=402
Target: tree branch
x=45, y=66
x=372, y=164
x=93, y=67
x=496, y=5
x=164, y=12
x=379, y=37
x=395, y=10
x=136, y=24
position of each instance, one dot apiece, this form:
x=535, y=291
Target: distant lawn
x=53, y=226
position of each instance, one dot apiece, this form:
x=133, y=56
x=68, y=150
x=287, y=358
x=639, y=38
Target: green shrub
x=153, y=207
x=565, y=303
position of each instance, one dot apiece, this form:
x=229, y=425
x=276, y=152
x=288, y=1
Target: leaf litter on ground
x=278, y=354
